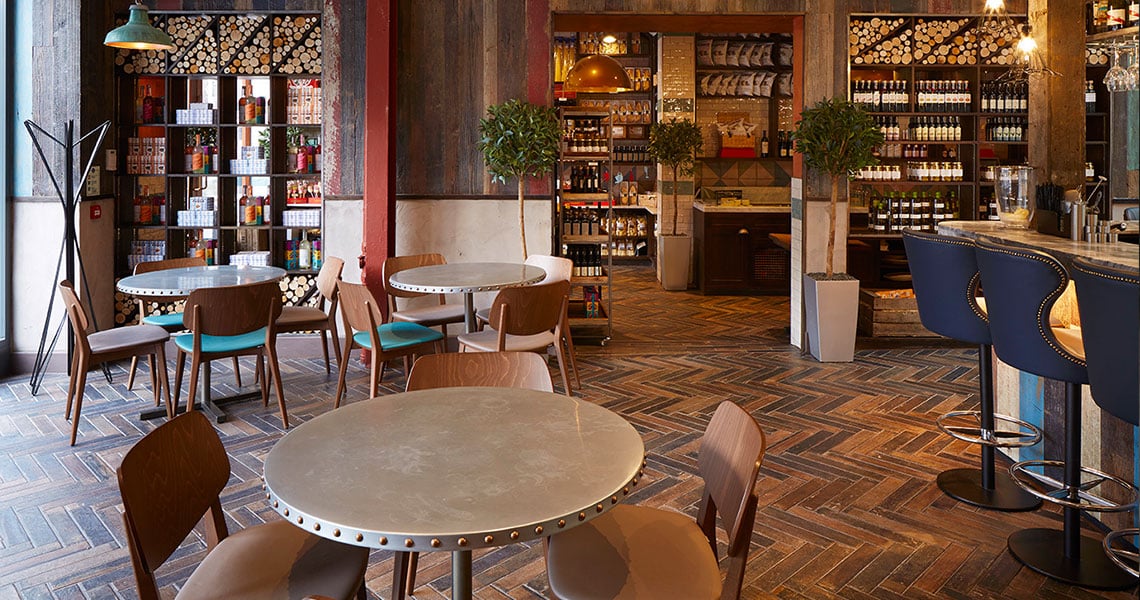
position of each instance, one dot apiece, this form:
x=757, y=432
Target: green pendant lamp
x=137, y=33
x=597, y=73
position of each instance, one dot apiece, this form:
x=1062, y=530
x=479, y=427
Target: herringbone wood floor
x=849, y=508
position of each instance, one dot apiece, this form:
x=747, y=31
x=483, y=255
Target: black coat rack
x=69, y=196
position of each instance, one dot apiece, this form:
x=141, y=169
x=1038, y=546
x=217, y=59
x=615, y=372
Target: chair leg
x=375, y=373
x=195, y=365
x=562, y=366
x=160, y=350
x=131, y=374
x=336, y=345
x=570, y=353
x=237, y=372
x=262, y=377
x=80, y=384
x=178, y=382
x=71, y=387
x=325, y=350
x=155, y=383
x=341, y=371
x=149, y=362
x=413, y=563
x=275, y=371
x=399, y=572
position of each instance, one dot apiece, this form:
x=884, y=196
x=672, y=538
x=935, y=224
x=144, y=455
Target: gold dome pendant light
x=597, y=73
x=138, y=33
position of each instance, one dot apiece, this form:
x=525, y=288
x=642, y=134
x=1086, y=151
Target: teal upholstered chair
x=228, y=322
x=170, y=321
x=364, y=328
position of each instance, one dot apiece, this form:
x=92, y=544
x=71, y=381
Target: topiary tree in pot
x=519, y=139
x=674, y=144
x=838, y=138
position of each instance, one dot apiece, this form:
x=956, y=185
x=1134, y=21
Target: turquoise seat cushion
x=399, y=334
x=171, y=320
x=222, y=343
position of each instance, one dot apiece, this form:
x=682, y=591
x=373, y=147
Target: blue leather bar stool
x=1109, y=302
x=944, y=272
x=1021, y=286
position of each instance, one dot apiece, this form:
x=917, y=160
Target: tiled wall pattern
x=677, y=62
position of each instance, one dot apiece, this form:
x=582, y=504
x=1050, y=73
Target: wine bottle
x=764, y=144
x=305, y=252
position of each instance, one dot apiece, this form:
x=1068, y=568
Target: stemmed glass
x=1116, y=79
x=1133, y=78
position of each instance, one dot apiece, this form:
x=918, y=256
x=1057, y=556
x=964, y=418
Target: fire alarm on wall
x=96, y=212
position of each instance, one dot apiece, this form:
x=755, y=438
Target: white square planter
x=832, y=307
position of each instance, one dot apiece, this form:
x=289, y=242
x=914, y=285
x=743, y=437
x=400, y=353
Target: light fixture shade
x=597, y=73
x=138, y=34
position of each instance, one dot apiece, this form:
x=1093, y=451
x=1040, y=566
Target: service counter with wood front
x=1108, y=443
x=733, y=253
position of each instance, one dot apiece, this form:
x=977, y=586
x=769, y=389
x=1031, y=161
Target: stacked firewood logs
x=944, y=42
x=880, y=41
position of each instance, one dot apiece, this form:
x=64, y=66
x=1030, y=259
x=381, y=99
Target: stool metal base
x=1042, y=550
x=966, y=485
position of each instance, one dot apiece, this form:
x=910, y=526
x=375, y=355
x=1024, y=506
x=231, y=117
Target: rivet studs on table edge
x=488, y=539
x=383, y=541
x=435, y=543
x=462, y=542
x=408, y=543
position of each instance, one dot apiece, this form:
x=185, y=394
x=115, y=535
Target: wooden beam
x=379, y=142
x=673, y=23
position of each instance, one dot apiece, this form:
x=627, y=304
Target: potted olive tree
x=675, y=144
x=838, y=138
x=519, y=139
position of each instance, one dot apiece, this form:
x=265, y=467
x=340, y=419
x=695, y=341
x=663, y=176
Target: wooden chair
x=97, y=347
x=440, y=314
x=238, y=320
x=477, y=369
x=481, y=369
x=364, y=328
x=557, y=269
x=642, y=552
x=172, y=478
x=314, y=318
x=526, y=319
x=171, y=321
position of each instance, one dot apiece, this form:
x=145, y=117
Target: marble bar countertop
x=1121, y=255
x=761, y=208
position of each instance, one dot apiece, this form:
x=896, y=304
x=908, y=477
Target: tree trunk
x=831, y=223
x=522, y=218
x=674, y=231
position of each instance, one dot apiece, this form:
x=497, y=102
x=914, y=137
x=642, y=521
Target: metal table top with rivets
x=453, y=468
x=182, y=281
x=466, y=279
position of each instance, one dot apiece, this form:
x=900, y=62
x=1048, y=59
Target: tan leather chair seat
x=488, y=341
x=277, y=556
x=430, y=316
x=633, y=552
x=124, y=337
x=296, y=315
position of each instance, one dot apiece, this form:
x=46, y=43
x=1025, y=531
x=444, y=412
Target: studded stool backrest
x=944, y=271
x=1109, y=301
x=1021, y=286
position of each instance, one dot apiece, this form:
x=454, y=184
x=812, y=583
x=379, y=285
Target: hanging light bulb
x=993, y=6
x=609, y=38
x=1026, y=45
x=137, y=33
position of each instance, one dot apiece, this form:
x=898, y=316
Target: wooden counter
x=1107, y=443
x=732, y=250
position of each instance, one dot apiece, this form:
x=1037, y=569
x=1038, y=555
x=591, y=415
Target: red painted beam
x=379, y=227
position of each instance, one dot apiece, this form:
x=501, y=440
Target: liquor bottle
x=316, y=255
x=1117, y=15
x=140, y=93
x=1090, y=97
x=197, y=158
x=302, y=151
x=147, y=107
x=305, y=252
x=764, y=144
x=137, y=206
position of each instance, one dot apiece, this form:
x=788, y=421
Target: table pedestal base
x=461, y=575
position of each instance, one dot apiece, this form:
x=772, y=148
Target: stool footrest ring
x=1078, y=497
x=975, y=434
x=1125, y=558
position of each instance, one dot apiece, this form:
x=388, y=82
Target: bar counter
x=1121, y=255
x=1107, y=443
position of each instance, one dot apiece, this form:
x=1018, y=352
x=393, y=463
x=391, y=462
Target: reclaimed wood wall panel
x=343, y=64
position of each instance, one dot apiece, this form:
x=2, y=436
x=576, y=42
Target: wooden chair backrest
x=557, y=268
x=77, y=314
x=232, y=310
x=729, y=459
x=328, y=276
x=170, y=263
x=358, y=307
x=395, y=264
x=481, y=369
x=168, y=480
x=528, y=310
